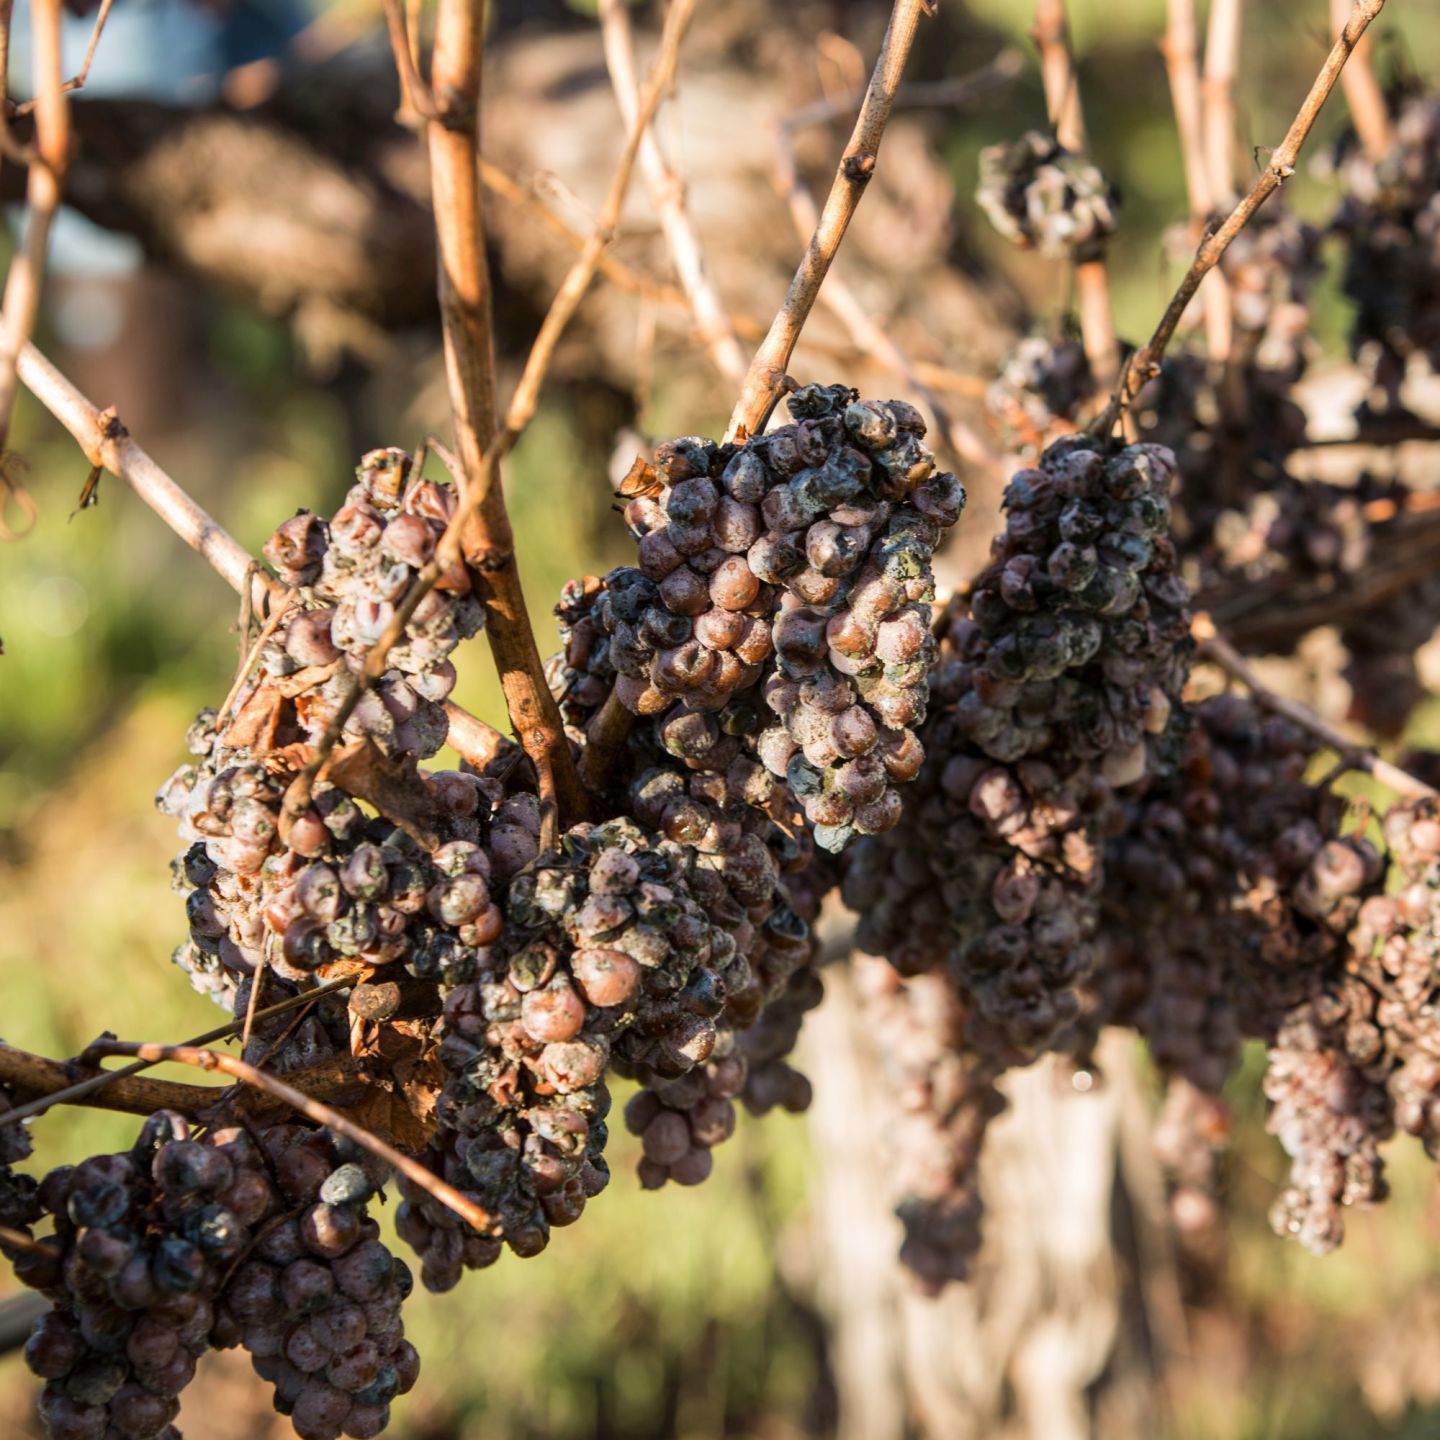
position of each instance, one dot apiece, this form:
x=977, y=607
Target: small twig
x=1145, y=362
x=764, y=380
x=1210, y=645
x=74, y=1094
x=667, y=194
x=77, y=81
x=43, y=186
x=108, y=444
x=19, y=1240
x=1222, y=59
x=415, y=96
x=1362, y=92
x=869, y=336
x=465, y=311
x=959, y=90
x=1222, y=52
x=1051, y=33
x=312, y=1109
x=9, y=147
x=605, y=738
x=1182, y=66
x=1179, y=47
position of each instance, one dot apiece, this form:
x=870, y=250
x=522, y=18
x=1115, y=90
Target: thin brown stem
x=958, y=90
x=1182, y=65
x=43, y=186
x=765, y=379
x=77, y=81
x=1212, y=646
x=415, y=96
x=278, y=612
x=79, y=1092
x=1051, y=33
x=465, y=311
x=868, y=334
x=605, y=738
x=107, y=444
x=1145, y=362
x=312, y=1109
x=1362, y=91
x=667, y=194
x=1222, y=54
x=19, y=1240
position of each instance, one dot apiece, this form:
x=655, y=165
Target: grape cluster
x=19, y=1202
x=351, y=573
x=791, y=572
x=184, y=1244
x=1390, y=221
x=1040, y=391
x=345, y=887
x=607, y=961
x=946, y=1099
x=316, y=1300
x=1043, y=197
x=1056, y=687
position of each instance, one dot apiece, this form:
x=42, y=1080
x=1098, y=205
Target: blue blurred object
x=169, y=50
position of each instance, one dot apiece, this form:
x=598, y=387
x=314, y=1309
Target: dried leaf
x=392, y=785
x=387, y=1113
x=256, y=723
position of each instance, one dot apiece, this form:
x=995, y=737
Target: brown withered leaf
x=306, y=679
x=256, y=723
x=392, y=785
x=386, y=1112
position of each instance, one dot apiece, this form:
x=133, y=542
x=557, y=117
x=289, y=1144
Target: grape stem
x=1144, y=363
x=108, y=445
x=765, y=379
x=667, y=194
x=1212, y=646
x=311, y=1108
x=51, y=155
x=1363, y=95
x=1179, y=47
x=869, y=336
x=1051, y=34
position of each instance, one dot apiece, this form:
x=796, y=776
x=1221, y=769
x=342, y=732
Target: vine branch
x=43, y=187
x=667, y=194
x=1144, y=363
x=764, y=380
x=308, y=1106
x=1051, y=33
x=1363, y=95
x=1212, y=646
x=109, y=446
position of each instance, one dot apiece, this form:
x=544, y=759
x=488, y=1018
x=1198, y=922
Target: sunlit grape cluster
x=792, y=574
x=1043, y=197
